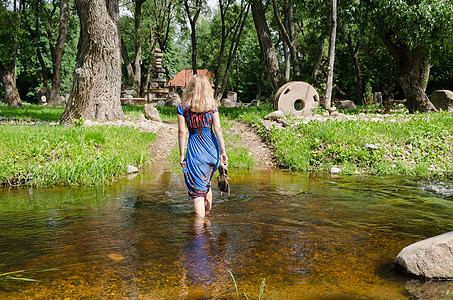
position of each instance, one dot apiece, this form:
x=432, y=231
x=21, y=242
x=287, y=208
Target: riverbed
x=301, y=236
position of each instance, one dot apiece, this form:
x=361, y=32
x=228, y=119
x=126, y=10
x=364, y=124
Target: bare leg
x=199, y=206
x=208, y=200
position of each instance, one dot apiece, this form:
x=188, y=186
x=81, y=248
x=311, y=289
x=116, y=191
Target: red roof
x=182, y=78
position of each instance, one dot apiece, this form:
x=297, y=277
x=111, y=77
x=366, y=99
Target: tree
x=333, y=35
x=8, y=49
x=193, y=10
x=268, y=53
x=95, y=93
x=288, y=32
x=413, y=32
x=160, y=14
x=56, y=51
x=236, y=30
x=354, y=51
x=133, y=72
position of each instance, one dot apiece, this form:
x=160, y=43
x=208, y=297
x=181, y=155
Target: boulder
x=172, y=99
x=430, y=258
x=231, y=104
x=275, y=115
x=443, y=99
x=269, y=125
x=345, y=105
x=151, y=113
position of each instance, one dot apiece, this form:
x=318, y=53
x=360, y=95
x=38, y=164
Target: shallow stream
x=308, y=236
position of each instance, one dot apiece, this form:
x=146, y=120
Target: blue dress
x=203, y=153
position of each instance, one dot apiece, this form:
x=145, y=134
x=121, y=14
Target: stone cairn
x=157, y=92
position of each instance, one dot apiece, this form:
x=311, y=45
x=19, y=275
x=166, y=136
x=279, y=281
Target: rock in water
x=131, y=170
x=430, y=258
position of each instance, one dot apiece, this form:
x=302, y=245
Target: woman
x=204, y=148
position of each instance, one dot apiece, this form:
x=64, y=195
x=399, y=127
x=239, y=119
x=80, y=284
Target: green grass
x=32, y=112
x=420, y=144
x=57, y=155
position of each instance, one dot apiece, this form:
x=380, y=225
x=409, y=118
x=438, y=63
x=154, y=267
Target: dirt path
x=167, y=138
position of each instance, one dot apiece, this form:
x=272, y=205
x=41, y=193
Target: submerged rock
x=430, y=258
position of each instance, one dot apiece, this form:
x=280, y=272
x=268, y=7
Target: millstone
x=298, y=98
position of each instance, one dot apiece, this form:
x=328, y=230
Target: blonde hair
x=199, y=94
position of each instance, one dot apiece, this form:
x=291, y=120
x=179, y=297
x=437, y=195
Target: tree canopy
x=402, y=48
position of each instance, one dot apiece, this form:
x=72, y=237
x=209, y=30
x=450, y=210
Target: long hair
x=199, y=95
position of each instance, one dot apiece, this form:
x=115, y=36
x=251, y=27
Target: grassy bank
x=420, y=144
x=56, y=155
x=43, y=155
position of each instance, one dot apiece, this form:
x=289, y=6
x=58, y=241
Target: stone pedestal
x=157, y=93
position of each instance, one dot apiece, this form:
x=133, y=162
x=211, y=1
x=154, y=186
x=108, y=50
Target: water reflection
x=309, y=236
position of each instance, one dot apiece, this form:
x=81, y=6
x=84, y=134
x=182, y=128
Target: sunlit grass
x=58, y=155
x=420, y=144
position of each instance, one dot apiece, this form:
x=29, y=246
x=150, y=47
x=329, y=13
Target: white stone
x=430, y=258
x=131, y=169
x=275, y=115
x=151, y=113
x=335, y=170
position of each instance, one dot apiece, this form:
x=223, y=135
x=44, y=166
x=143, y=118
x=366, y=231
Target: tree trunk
x=333, y=35
x=287, y=61
x=411, y=76
x=317, y=61
x=268, y=53
x=235, y=39
x=95, y=93
x=12, y=97
x=233, y=48
x=358, y=74
x=288, y=33
x=424, y=73
x=193, y=36
x=128, y=64
x=151, y=58
x=138, y=46
x=57, y=54
x=194, y=48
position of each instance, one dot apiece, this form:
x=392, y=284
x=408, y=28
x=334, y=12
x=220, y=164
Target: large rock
x=172, y=99
x=275, y=115
x=151, y=113
x=231, y=104
x=430, y=258
x=443, y=99
x=346, y=105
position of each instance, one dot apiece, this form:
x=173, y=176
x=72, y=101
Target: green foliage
x=261, y=291
x=420, y=22
x=49, y=155
x=32, y=112
x=368, y=94
x=417, y=145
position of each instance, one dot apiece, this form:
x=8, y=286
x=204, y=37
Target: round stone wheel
x=298, y=98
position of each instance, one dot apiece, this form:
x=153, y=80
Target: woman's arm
x=181, y=139
x=219, y=135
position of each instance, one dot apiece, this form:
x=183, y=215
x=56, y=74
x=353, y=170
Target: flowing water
x=308, y=236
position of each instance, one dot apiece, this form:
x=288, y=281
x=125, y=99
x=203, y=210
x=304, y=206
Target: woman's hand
x=182, y=161
x=224, y=159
